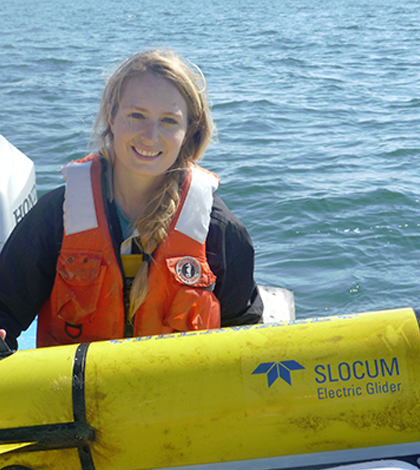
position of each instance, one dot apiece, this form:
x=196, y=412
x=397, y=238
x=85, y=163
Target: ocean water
x=317, y=105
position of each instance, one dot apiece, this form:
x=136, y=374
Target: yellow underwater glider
x=306, y=394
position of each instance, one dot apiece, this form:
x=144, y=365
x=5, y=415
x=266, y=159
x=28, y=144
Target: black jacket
x=29, y=257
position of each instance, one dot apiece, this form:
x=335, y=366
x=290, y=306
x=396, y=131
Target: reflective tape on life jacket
x=87, y=300
x=194, y=219
x=79, y=213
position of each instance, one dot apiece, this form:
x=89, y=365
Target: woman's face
x=149, y=127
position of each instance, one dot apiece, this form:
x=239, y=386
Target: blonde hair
x=190, y=82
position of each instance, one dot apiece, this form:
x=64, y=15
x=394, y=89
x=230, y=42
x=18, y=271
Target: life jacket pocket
x=79, y=280
x=193, y=309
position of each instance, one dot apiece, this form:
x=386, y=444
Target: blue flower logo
x=275, y=370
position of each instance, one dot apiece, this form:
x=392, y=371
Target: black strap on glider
x=79, y=405
x=77, y=434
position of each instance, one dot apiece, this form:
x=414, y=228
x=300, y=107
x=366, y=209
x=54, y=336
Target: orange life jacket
x=87, y=299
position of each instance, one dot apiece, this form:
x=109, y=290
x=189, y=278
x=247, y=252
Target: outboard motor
x=17, y=187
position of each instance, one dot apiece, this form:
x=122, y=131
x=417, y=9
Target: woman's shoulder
x=221, y=213
x=55, y=196
x=49, y=205
x=223, y=219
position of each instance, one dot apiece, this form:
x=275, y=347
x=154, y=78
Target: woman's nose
x=150, y=131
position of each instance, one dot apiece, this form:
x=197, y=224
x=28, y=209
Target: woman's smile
x=146, y=153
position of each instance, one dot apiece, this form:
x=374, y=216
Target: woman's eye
x=136, y=116
x=169, y=121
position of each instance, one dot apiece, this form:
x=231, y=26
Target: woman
x=137, y=244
